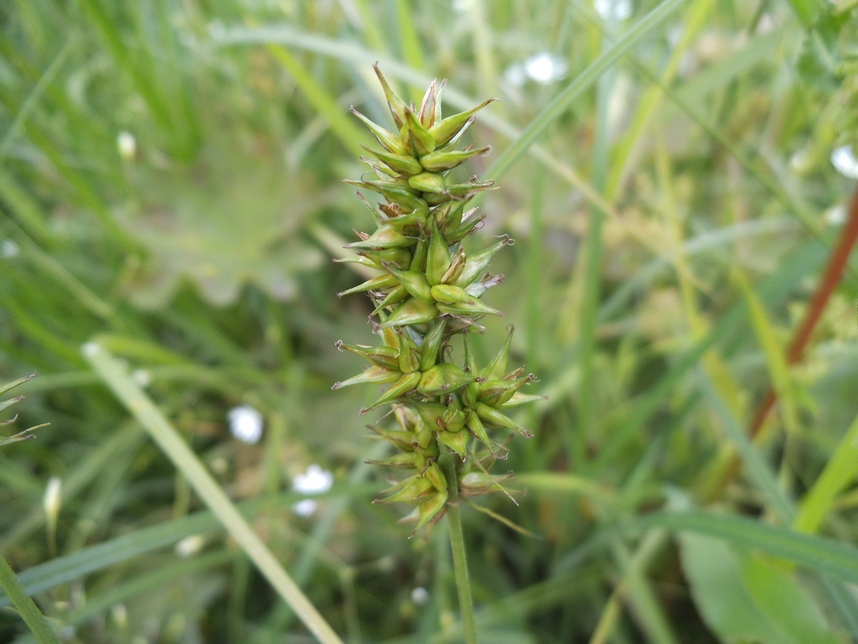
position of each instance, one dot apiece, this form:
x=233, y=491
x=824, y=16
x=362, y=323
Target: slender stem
x=457, y=543
x=25, y=606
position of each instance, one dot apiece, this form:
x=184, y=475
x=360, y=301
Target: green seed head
x=428, y=290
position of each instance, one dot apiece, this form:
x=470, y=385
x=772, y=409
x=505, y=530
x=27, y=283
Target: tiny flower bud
x=427, y=182
x=457, y=266
x=442, y=161
x=453, y=420
x=431, y=414
x=389, y=140
x=411, y=311
x=436, y=477
x=399, y=257
x=442, y=378
x=406, y=164
x=438, y=258
x=400, y=439
x=409, y=355
x=492, y=415
x=403, y=461
x=378, y=375
x=384, y=237
x=431, y=510
x=410, y=490
x=397, y=106
x=431, y=344
x=127, y=145
x=413, y=281
x=398, y=389
x=423, y=143
x=385, y=357
x=374, y=284
x=458, y=442
x=428, y=106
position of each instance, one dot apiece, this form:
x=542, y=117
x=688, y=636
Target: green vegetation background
x=170, y=189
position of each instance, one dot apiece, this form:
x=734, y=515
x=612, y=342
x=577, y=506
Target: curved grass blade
x=168, y=439
x=25, y=606
x=817, y=554
x=840, y=470
x=140, y=542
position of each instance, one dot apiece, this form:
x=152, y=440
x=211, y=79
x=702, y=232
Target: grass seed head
x=429, y=291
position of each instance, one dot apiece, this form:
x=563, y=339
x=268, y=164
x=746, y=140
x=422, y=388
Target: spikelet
x=430, y=291
x=5, y=404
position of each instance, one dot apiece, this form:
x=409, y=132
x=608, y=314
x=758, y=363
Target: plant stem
x=457, y=543
x=25, y=606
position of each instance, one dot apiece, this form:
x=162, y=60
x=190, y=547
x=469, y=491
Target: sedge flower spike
x=428, y=290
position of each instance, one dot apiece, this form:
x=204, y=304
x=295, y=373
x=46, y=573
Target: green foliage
x=170, y=186
x=746, y=597
x=230, y=218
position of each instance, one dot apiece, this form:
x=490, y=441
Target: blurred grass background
x=675, y=176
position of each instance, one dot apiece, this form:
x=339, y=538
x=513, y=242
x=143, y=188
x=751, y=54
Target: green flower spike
x=428, y=291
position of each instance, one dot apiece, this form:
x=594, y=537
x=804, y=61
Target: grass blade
x=103, y=555
x=814, y=553
x=840, y=470
x=346, y=131
x=25, y=606
x=145, y=540
x=168, y=439
x=578, y=86
x=765, y=332
x=357, y=56
x=33, y=98
x=758, y=469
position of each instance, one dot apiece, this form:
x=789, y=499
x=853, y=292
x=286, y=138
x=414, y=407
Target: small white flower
x=9, y=249
x=127, y=145
x=141, y=377
x=766, y=24
x=190, y=546
x=89, y=349
x=843, y=159
x=420, y=596
x=801, y=160
x=217, y=30
x=514, y=74
x=245, y=424
x=613, y=9
x=836, y=215
x=314, y=481
x=304, y=508
x=545, y=68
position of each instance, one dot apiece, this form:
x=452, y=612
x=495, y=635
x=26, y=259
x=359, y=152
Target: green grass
x=672, y=201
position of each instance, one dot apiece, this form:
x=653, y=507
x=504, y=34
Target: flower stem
x=457, y=543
